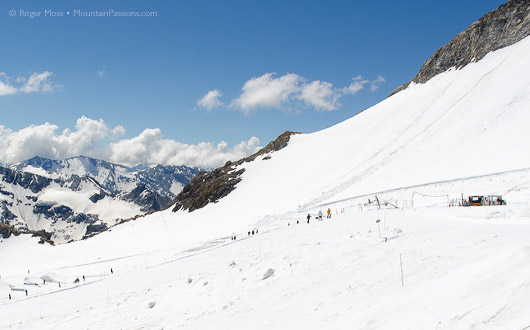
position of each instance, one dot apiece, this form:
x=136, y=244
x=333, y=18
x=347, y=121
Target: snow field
x=333, y=273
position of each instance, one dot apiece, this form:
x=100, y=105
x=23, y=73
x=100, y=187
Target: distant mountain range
x=167, y=181
x=75, y=197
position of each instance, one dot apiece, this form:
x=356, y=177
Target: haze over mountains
x=407, y=261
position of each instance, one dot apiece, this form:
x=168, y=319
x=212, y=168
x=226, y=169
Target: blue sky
x=150, y=72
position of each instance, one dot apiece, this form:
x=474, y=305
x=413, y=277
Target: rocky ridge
x=210, y=187
x=499, y=28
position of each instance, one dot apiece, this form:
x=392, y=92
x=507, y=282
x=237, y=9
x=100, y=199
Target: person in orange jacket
x=329, y=213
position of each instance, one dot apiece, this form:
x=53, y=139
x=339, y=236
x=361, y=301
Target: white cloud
x=35, y=83
x=39, y=82
x=6, y=89
x=117, y=132
x=267, y=92
x=357, y=85
x=93, y=138
x=151, y=147
x=293, y=91
x=211, y=100
x=374, y=85
x=320, y=95
x=42, y=140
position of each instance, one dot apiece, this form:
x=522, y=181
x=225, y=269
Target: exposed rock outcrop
x=30, y=181
x=499, y=28
x=210, y=187
x=7, y=230
x=148, y=200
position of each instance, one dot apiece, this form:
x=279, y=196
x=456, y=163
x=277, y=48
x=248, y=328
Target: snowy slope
x=462, y=132
x=463, y=268
x=460, y=124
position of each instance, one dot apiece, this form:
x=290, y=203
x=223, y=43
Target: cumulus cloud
x=211, y=100
x=117, y=132
x=95, y=138
x=267, y=92
x=293, y=91
x=35, y=83
x=320, y=95
x=151, y=147
x=43, y=140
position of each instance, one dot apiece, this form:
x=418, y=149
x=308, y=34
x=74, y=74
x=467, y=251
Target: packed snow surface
x=423, y=265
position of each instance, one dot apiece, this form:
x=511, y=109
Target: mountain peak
x=497, y=29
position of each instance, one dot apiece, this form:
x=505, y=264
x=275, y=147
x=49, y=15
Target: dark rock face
x=95, y=229
x=160, y=178
x=97, y=196
x=50, y=210
x=45, y=237
x=210, y=187
x=46, y=164
x=6, y=215
x=7, y=230
x=147, y=199
x=499, y=28
x=30, y=181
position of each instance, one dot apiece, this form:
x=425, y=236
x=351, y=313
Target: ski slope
x=462, y=132
x=462, y=268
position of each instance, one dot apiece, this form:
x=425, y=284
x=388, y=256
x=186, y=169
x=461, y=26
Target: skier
x=111, y=271
x=319, y=216
x=308, y=217
x=76, y=280
x=26, y=293
x=83, y=277
x=10, y=296
x=329, y=213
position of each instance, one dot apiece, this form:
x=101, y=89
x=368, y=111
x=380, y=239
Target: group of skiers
x=319, y=215
x=250, y=232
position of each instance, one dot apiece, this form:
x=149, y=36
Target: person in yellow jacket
x=329, y=213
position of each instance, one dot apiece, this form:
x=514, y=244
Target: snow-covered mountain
x=408, y=261
x=118, y=179
x=77, y=197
